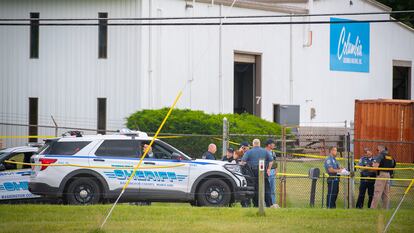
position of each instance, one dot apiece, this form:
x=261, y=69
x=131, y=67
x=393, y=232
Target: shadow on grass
x=97, y=230
x=254, y=214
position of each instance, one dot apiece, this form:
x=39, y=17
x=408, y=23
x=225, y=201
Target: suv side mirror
x=2, y=167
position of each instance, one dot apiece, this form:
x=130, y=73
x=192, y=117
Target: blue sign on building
x=349, y=46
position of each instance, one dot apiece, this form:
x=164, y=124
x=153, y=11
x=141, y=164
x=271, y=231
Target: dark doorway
x=244, y=87
x=101, y=116
x=33, y=118
x=401, y=82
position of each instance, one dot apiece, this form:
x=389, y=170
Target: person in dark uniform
x=332, y=167
x=229, y=155
x=209, y=154
x=247, y=172
x=382, y=187
x=270, y=146
x=366, y=184
x=251, y=158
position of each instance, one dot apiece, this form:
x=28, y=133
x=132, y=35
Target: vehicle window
x=157, y=151
x=16, y=158
x=122, y=148
x=65, y=148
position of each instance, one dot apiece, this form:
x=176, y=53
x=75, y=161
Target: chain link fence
x=298, y=150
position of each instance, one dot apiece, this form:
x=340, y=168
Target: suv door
x=169, y=183
x=14, y=180
x=122, y=153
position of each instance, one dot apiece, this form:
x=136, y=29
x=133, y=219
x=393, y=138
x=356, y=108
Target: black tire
x=83, y=191
x=214, y=192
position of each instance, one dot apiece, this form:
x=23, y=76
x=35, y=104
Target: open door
x=247, y=84
x=401, y=80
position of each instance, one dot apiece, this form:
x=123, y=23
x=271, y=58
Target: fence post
x=283, y=181
x=225, y=136
x=323, y=189
x=352, y=172
x=314, y=176
x=56, y=126
x=261, y=187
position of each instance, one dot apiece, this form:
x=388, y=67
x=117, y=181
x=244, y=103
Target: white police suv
x=94, y=168
x=14, y=178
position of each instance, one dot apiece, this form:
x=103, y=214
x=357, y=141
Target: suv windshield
x=54, y=147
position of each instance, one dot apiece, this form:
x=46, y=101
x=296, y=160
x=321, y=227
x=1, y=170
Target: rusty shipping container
x=387, y=122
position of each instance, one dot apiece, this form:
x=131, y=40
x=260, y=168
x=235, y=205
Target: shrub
x=197, y=122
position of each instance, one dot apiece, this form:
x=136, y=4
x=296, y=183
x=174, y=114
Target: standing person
x=244, y=146
x=366, y=184
x=382, y=187
x=238, y=155
x=229, y=155
x=251, y=158
x=332, y=167
x=270, y=146
x=209, y=154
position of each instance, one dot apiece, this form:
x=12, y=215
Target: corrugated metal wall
x=390, y=121
x=68, y=77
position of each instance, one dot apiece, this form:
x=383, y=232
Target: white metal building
x=95, y=76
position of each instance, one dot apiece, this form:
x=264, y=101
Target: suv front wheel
x=83, y=191
x=214, y=192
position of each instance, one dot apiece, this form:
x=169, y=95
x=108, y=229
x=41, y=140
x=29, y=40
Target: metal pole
x=399, y=205
x=323, y=189
x=280, y=190
x=346, y=181
x=352, y=172
x=345, y=184
x=56, y=126
x=261, y=188
x=225, y=135
x=284, y=165
x=220, y=58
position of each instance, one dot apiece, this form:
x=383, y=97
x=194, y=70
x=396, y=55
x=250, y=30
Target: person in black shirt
x=209, y=154
x=382, y=186
x=229, y=155
x=366, y=184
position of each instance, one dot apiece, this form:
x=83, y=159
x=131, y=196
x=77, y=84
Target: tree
x=401, y=5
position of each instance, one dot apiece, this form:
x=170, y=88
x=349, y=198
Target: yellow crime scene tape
x=180, y=165
x=142, y=158
x=311, y=155
x=409, y=186
x=168, y=137
x=231, y=142
x=84, y=166
x=385, y=169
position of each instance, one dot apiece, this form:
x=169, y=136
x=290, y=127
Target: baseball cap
x=269, y=141
x=244, y=144
x=231, y=150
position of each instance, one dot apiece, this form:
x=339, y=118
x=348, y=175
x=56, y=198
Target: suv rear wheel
x=83, y=191
x=214, y=192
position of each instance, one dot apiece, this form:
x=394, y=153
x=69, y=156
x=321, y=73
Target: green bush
x=197, y=122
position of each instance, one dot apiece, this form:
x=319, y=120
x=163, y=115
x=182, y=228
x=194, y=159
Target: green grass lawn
x=184, y=218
